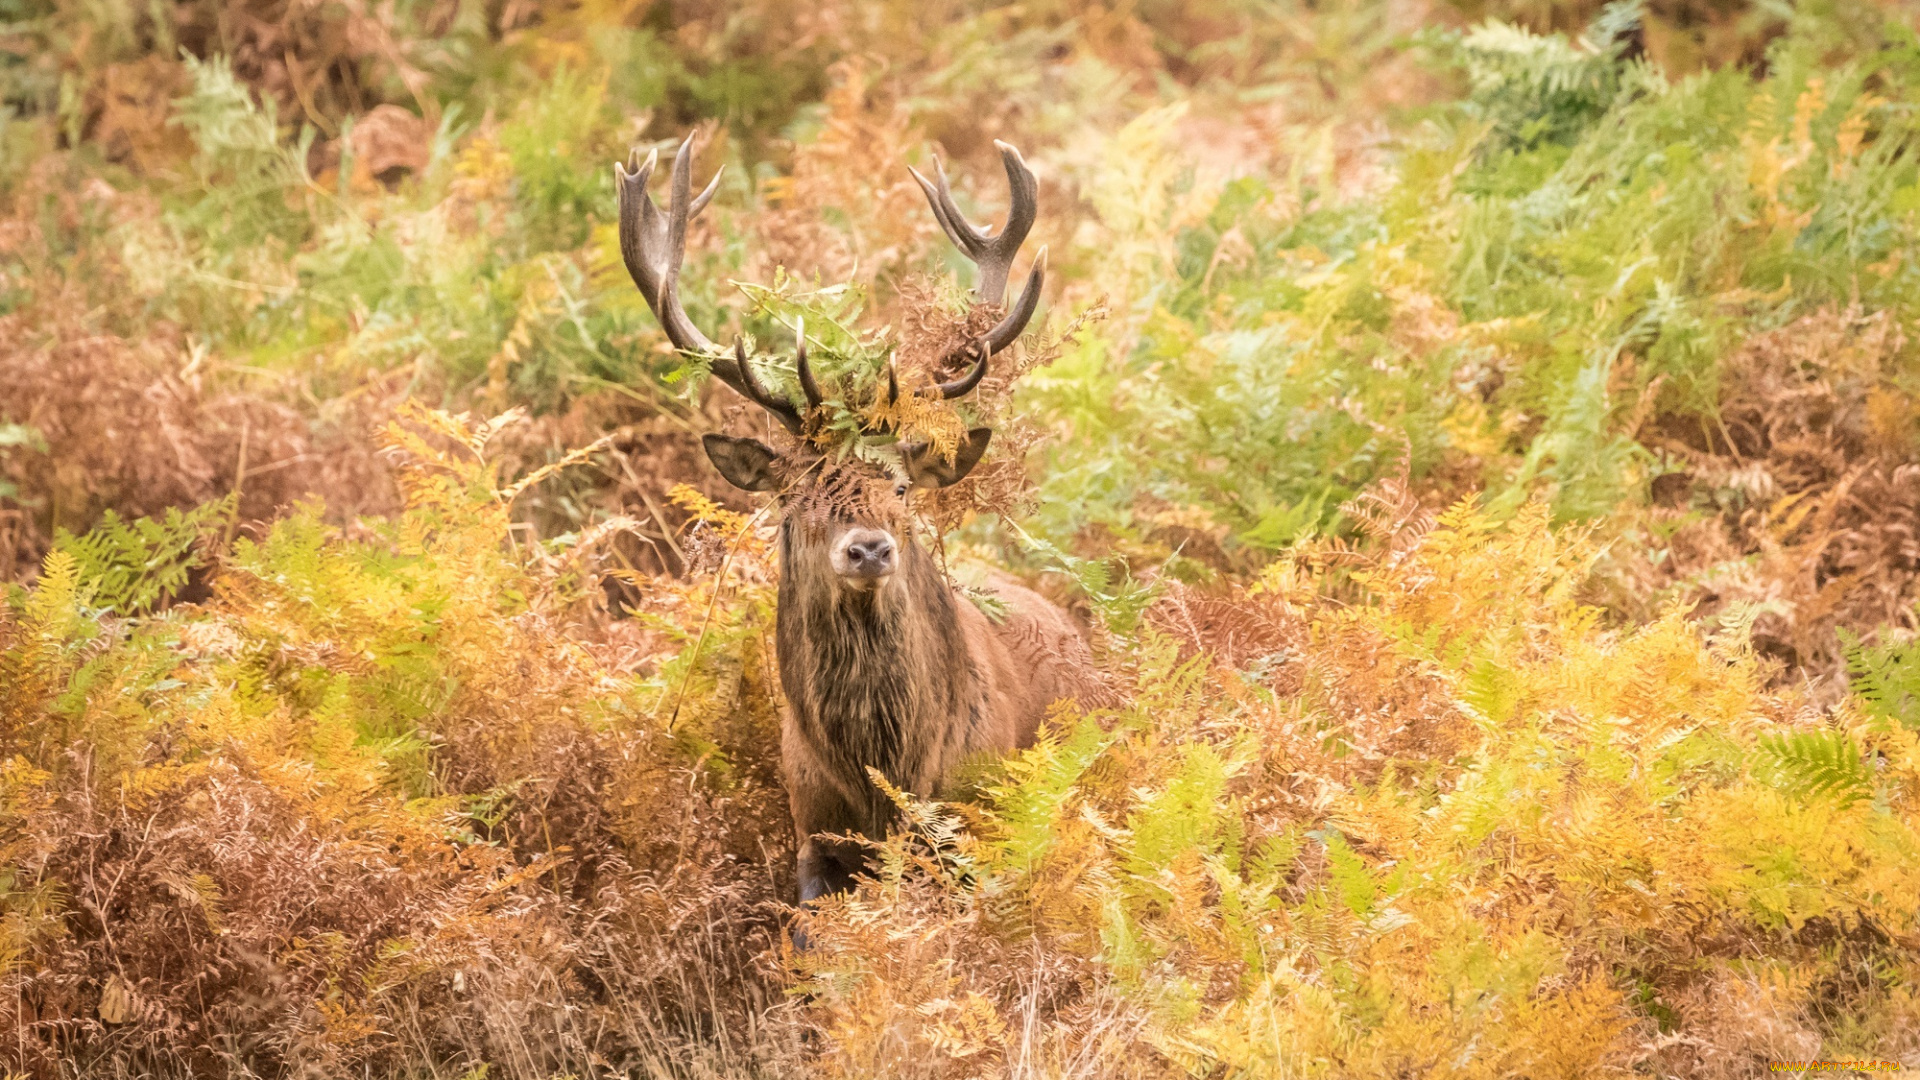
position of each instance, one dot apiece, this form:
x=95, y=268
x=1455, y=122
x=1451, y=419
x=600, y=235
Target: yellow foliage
x=1284, y=887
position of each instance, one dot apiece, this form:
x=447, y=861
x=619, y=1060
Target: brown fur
x=910, y=679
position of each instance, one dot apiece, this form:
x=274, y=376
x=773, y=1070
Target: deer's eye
x=900, y=490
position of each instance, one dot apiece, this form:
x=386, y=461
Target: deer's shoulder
x=1047, y=646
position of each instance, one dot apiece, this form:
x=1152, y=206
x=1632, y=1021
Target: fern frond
x=1886, y=678
x=132, y=565
x=1818, y=764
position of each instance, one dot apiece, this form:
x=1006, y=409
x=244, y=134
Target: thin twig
x=653, y=510
x=239, y=477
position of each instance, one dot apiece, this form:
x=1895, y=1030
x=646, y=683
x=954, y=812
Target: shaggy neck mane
x=872, y=676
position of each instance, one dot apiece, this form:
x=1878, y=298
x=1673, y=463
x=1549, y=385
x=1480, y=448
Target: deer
x=885, y=666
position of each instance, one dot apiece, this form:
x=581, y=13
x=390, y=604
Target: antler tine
x=963, y=384
x=1003, y=334
x=749, y=385
x=1008, y=329
x=653, y=245
x=892, y=394
x=993, y=254
x=809, y=386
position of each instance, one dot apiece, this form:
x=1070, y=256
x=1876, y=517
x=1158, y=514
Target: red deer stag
x=884, y=666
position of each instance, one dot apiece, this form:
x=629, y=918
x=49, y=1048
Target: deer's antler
x=993, y=254
x=653, y=245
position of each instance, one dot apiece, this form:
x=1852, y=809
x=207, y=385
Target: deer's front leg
x=827, y=867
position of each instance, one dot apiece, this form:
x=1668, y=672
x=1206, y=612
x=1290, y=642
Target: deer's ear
x=928, y=469
x=746, y=463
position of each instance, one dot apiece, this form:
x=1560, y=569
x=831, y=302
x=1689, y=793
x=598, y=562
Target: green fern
x=131, y=565
x=1039, y=789
x=1886, y=679
x=1118, y=597
x=1348, y=875
x=1185, y=817
x=1818, y=764
x=238, y=139
x=1535, y=89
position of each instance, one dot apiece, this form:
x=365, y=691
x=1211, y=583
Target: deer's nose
x=868, y=553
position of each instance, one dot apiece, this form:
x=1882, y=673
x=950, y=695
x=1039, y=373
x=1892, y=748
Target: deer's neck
x=875, y=679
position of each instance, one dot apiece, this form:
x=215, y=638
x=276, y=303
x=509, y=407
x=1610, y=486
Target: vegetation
x=1483, y=439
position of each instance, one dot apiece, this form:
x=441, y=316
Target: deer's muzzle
x=864, y=556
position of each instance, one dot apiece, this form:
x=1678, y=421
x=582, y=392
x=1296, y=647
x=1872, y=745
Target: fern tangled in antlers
x=653, y=244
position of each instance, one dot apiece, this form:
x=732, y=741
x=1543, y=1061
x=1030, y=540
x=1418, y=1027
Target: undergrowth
x=1484, y=438
x=383, y=801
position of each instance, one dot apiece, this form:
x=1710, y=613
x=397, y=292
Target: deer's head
x=848, y=517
